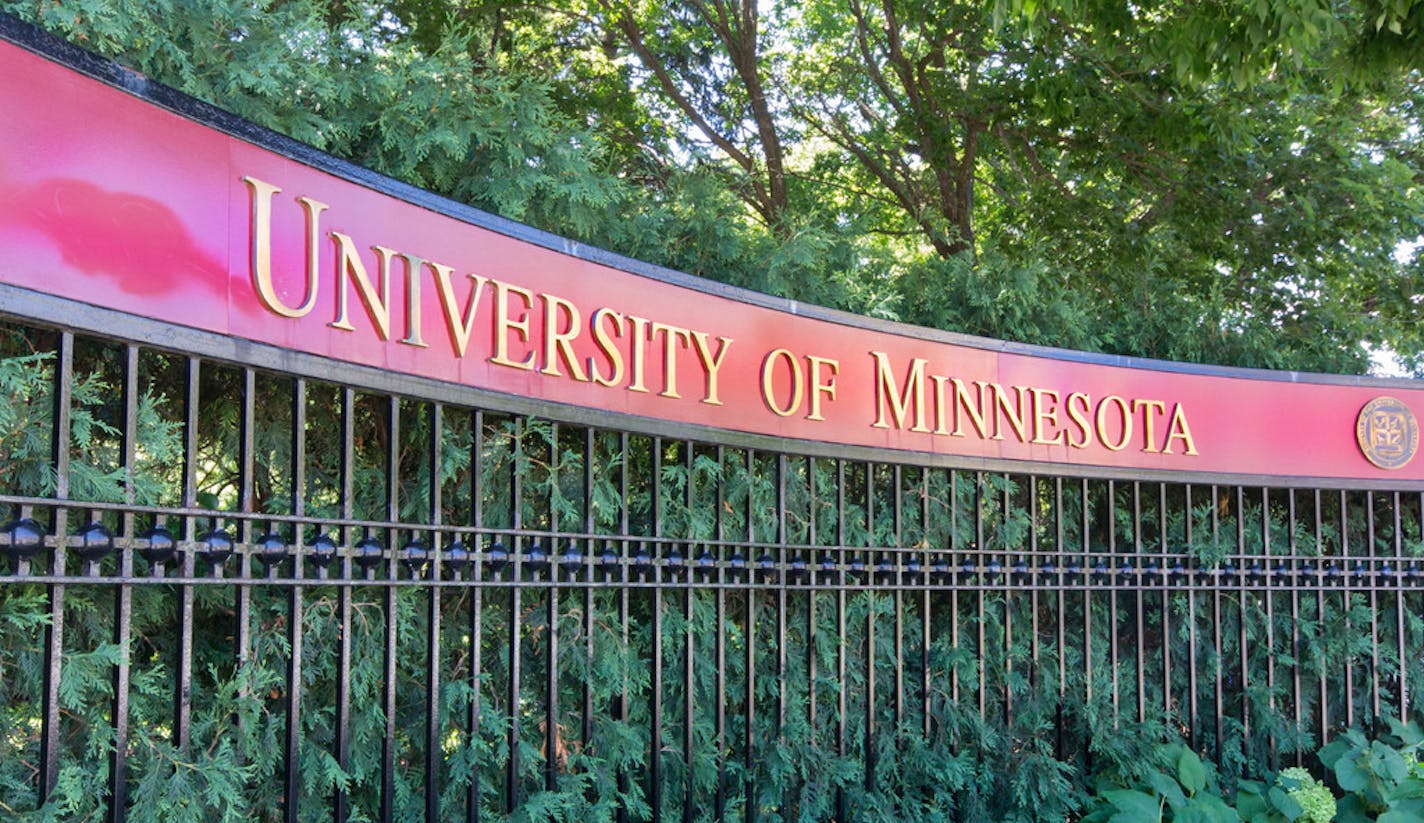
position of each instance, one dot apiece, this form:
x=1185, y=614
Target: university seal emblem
x=1387, y=432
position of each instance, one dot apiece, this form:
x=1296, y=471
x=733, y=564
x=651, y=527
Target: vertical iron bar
x=623, y=615
x=655, y=727
x=980, y=650
x=749, y=742
x=1397, y=582
x=957, y=558
x=720, y=801
x=1031, y=563
x=246, y=505
x=516, y=552
x=1242, y=578
x=689, y=796
x=1345, y=603
x=1189, y=567
x=1370, y=568
x=1293, y=569
x=291, y=787
x=551, y=648
x=870, y=604
x=925, y=614
x=589, y=455
x=841, y=799
x=897, y=558
x=1216, y=621
x=812, y=561
x=1269, y=597
x=433, y=755
x=1166, y=613
x=183, y=708
x=1413, y=571
x=551, y=683
x=781, y=472
x=1087, y=593
x=343, y=598
x=1137, y=561
x=54, y=632
x=123, y=600
x=1320, y=583
x=1007, y=563
x=1111, y=525
x=388, y=691
x=1060, y=560
x=477, y=520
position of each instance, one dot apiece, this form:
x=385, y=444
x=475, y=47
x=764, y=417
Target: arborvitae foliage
x=1005, y=738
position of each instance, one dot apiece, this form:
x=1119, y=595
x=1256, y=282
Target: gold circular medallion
x=1387, y=432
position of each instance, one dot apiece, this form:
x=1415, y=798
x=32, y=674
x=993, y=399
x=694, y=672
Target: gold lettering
x=1045, y=415
x=1079, y=417
x=605, y=345
x=767, y=389
x=349, y=268
x=888, y=393
x=1149, y=421
x=559, y=344
x=1177, y=428
x=261, y=259
x=638, y=326
x=672, y=335
x=941, y=412
x=504, y=324
x=976, y=415
x=710, y=365
x=459, y=323
x=1100, y=419
x=818, y=387
x=413, y=265
x=1014, y=415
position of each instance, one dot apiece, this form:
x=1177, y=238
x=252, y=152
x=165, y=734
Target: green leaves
x=1380, y=776
x=1133, y=807
x=1284, y=803
x=1190, y=772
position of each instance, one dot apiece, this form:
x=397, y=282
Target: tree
x=1205, y=181
x=1227, y=182
x=707, y=61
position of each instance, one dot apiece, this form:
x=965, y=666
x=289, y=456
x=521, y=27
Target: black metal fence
x=366, y=597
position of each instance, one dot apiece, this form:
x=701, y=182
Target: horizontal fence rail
x=352, y=603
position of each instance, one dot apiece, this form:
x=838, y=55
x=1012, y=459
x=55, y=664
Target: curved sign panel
x=112, y=200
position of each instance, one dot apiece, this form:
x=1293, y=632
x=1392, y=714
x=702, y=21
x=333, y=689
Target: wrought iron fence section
x=534, y=548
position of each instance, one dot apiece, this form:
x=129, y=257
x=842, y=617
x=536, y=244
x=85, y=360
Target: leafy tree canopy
x=1237, y=181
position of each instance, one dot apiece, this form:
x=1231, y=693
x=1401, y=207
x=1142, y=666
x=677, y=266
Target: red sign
x=112, y=200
